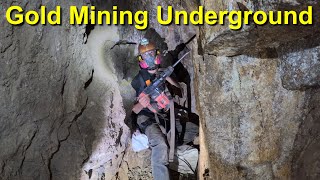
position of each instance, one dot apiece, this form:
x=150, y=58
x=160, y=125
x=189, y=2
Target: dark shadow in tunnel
x=182, y=74
x=153, y=36
x=126, y=67
x=305, y=160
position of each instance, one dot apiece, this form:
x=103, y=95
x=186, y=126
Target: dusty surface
x=61, y=111
x=258, y=104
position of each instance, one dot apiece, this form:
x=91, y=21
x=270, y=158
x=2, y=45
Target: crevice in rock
x=28, y=146
x=87, y=84
x=89, y=28
x=123, y=156
x=83, y=142
x=63, y=84
x=3, y=165
x=66, y=138
x=230, y=56
x=111, y=104
x=90, y=173
x=6, y=48
x=118, y=140
x=212, y=54
x=255, y=96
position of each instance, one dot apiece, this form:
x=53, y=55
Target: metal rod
x=190, y=39
x=180, y=59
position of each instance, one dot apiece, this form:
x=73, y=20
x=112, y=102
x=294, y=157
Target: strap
x=172, y=131
x=141, y=86
x=161, y=127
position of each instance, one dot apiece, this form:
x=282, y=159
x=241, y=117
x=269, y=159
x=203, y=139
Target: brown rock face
x=258, y=105
x=252, y=119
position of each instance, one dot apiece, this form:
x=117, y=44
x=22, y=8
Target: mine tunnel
x=252, y=94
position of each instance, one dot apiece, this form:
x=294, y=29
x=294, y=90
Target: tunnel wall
x=256, y=93
x=65, y=95
x=61, y=116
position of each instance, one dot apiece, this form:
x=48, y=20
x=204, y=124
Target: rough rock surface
x=61, y=116
x=65, y=96
x=257, y=92
x=305, y=161
x=252, y=38
x=300, y=64
x=252, y=120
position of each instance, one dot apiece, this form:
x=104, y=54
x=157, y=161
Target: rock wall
x=65, y=95
x=61, y=111
x=252, y=120
x=256, y=94
x=254, y=39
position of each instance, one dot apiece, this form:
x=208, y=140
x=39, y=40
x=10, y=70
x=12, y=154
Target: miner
x=149, y=61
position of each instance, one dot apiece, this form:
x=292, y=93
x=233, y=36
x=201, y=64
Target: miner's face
x=153, y=70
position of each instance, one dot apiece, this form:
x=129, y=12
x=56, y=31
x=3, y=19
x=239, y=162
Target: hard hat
x=145, y=46
x=148, y=55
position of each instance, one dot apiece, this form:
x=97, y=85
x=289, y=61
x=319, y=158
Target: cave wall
x=61, y=111
x=254, y=39
x=255, y=125
x=65, y=95
x=257, y=90
x=252, y=120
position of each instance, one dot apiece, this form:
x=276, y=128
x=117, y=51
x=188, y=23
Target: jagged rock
x=300, y=64
x=60, y=114
x=247, y=115
x=257, y=103
x=254, y=39
x=136, y=165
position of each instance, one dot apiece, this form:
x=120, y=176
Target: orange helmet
x=145, y=46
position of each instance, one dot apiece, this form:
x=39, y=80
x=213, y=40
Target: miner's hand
x=143, y=102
